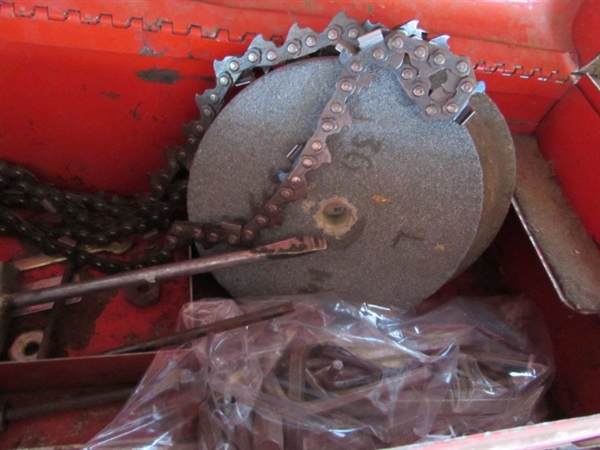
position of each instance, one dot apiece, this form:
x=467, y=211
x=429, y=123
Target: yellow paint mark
x=440, y=247
x=381, y=199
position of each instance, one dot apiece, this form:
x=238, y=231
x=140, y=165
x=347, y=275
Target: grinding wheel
x=405, y=204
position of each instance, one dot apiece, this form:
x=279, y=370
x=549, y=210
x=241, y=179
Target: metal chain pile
x=67, y=223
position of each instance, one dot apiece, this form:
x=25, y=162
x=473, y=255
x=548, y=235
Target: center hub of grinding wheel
x=400, y=204
x=336, y=216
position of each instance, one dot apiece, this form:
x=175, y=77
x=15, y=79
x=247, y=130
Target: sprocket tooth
x=220, y=66
x=258, y=41
x=339, y=19
x=342, y=20
x=297, y=33
x=441, y=41
x=411, y=29
x=370, y=26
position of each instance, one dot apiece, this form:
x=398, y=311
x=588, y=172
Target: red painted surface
x=79, y=107
x=569, y=136
x=585, y=31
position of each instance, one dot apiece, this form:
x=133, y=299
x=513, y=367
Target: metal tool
x=561, y=242
x=9, y=414
x=150, y=275
x=204, y=330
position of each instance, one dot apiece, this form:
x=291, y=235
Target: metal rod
x=203, y=330
x=83, y=401
x=55, y=311
x=289, y=247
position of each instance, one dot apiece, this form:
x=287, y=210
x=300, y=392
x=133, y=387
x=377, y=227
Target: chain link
x=439, y=82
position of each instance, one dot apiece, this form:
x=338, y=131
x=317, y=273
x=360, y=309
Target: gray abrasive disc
x=411, y=190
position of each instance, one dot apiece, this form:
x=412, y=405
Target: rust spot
x=381, y=199
x=440, y=247
x=155, y=75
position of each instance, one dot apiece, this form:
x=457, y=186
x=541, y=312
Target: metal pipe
x=289, y=247
x=203, y=330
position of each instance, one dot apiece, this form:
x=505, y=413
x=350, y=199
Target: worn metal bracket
x=561, y=242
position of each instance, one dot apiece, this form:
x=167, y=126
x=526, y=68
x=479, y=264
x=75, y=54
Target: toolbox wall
x=92, y=92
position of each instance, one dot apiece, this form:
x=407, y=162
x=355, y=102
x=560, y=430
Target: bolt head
x=271, y=55
x=224, y=80
x=439, y=59
x=214, y=98
x=234, y=65
x=232, y=239
x=213, y=237
x=286, y=194
x=407, y=74
x=431, y=110
x=346, y=85
x=333, y=34
x=418, y=91
x=327, y=125
x=253, y=56
x=356, y=66
x=261, y=220
x=248, y=234
x=396, y=42
x=316, y=146
x=310, y=41
x=452, y=108
x=462, y=66
x=271, y=208
x=293, y=48
x=337, y=107
x=172, y=241
x=308, y=163
x=467, y=87
x=420, y=52
x=199, y=129
x=353, y=33
x=207, y=111
x=378, y=53
x=296, y=181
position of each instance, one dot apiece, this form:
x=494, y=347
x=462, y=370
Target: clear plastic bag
x=333, y=376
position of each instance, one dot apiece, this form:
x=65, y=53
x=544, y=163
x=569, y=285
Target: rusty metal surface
x=289, y=247
x=566, y=250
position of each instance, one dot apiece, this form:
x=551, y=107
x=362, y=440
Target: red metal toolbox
x=92, y=92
